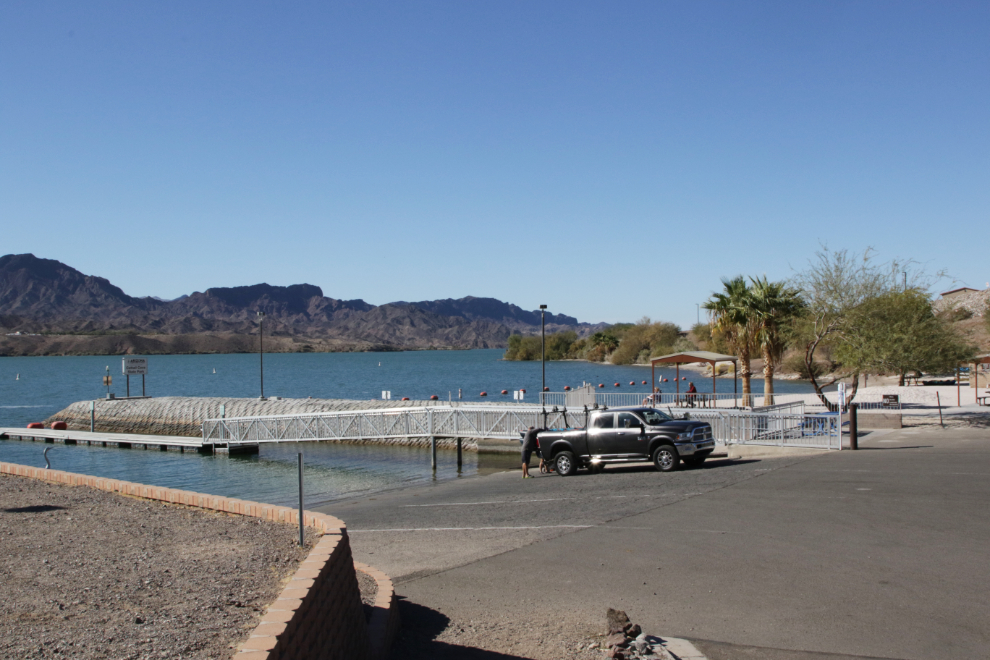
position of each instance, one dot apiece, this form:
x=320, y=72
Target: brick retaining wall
x=318, y=614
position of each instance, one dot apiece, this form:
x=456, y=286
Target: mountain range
x=58, y=310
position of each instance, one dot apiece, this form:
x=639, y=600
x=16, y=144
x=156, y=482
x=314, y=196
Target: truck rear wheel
x=666, y=458
x=564, y=464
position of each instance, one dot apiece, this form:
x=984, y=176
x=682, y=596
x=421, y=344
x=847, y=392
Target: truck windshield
x=654, y=417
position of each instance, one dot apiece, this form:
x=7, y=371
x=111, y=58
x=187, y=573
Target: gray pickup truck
x=627, y=435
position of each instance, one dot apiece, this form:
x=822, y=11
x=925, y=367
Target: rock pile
x=626, y=640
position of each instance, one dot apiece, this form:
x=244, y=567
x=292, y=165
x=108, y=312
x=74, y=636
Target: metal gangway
x=784, y=425
x=478, y=422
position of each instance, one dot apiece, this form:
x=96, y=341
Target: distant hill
x=48, y=298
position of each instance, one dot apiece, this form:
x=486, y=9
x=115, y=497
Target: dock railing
x=488, y=422
x=782, y=425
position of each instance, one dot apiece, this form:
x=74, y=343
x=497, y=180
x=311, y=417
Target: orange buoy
x=523, y=391
x=483, y=394
x=405, y=398
x=644, y=382
x=683, y=377
x=36, y=425
x=601, y=384
x=60, y=426
x=665, y=380
x=434, y=397
x=546, y=389
x=632, y=382
x=567, y=388
x=505, y=391
x=616, y=384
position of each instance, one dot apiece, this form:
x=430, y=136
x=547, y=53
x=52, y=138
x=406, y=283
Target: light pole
x=261, y=352
x=543, y=346
x=697, y=310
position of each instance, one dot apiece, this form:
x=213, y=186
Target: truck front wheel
x=665, y=458
x=564, y=464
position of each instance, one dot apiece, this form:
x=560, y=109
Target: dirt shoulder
x=91, y=574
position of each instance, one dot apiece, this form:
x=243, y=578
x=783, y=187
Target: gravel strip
x=369, y=590
x=92, y=574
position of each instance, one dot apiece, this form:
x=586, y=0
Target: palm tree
x=605, y=341
x=771, y=305
x=730, y=314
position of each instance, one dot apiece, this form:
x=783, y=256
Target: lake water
x=32, y=388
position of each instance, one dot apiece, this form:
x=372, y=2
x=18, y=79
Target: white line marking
x=549, y=499
x=464, y=529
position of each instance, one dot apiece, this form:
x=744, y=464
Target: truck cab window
x=604, y=421
x=628, y=420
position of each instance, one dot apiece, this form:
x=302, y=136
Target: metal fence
x=775, y=428
x=781, y=425
x=434, y=421
x=589, y=397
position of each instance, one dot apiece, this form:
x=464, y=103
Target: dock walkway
x=70, y=437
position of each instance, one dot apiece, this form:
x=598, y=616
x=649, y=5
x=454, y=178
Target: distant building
x=962, y=291
x=966, y=299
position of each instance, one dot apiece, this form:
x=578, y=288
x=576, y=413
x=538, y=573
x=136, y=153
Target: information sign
x=890, y=401
x=134, y=366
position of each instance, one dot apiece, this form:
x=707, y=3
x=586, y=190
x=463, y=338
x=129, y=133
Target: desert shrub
x=558, y=346
x=645, y=339
x=956, y=314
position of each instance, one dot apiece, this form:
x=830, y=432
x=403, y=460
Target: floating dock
x=123, y=440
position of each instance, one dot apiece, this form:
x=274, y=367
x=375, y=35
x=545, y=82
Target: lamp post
x=543, y=347
x=261, y=352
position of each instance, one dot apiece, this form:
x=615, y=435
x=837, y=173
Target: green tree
x=558, y=346
x=731, y=317
x=645, y=339
x=605, y=340
x=841, y=293
x=771, y=306
x=898, y=332
x=834, y=284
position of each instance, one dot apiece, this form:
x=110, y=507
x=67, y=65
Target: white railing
x=433, y=421
x=816, y=431
x=781, y=425
x=623, y=399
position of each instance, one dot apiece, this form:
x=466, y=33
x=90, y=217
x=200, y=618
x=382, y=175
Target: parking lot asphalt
x=876, y=553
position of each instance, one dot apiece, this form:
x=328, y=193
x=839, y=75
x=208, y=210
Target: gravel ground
x=369, y=589
x=91, y=574
x=429, y=635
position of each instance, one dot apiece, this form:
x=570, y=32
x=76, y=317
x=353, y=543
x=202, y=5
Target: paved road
x=878, y=553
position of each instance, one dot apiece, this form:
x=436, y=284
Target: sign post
x=386, y=395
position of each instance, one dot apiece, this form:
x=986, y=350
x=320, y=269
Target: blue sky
x=612, y=160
